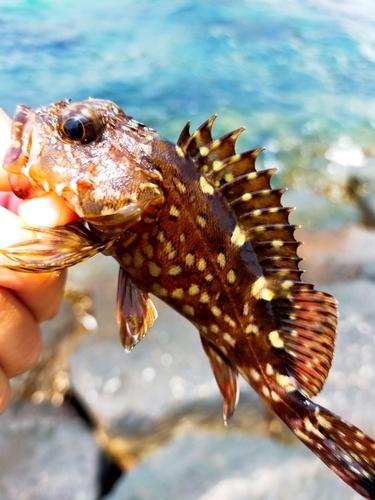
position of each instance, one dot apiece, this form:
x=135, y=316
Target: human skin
x=26, y=299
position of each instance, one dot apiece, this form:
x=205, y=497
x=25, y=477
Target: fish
x=197, y=225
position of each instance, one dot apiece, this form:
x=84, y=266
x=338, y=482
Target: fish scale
x=197, y=225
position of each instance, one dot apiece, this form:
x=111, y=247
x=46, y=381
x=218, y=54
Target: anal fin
x=135, y=312
x=226, y=378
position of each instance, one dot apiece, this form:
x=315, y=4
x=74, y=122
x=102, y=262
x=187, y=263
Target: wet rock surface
x=156, y=412
x=46, y=453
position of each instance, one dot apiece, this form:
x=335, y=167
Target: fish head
x=90, y=152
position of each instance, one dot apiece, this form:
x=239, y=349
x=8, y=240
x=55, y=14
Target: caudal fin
x=344, y=448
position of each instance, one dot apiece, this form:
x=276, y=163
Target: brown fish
x=197, y=225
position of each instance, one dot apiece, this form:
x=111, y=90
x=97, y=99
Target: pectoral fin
x=54, y=249
x=135, y=312
x=226, y=378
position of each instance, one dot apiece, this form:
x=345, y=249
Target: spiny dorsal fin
x=191, y=144
x=307, y=333
x=258, y=207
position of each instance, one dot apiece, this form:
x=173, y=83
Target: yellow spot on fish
x=214, y=328
x=246, y=197
x=201, y=264
x=180, y=152
x=174, y=211
x=287, y=284
x=245, y=309
x=238, y=237
x=205, y=186
x=149, y=251
x=256, y=213
x=204, y=151
x=323, y=422
x=178, y=293
x=277, y=243
x=189, y=310
x=159, y=290
x=209, y=277
x=172, y=255
x=204, y=298
x=258, y=285
x=230, y=321
x=221, y=260
x=217, y=165
x=276, y=340
x=303, y=436
x=266, y=294
x=175, y=270
x=168, y=247
x=266, y=391
x=231, y=277
x=194, y=289
x=275, y=396
x=229, y=339
x=161, y=236
x=215, y=311
x=127, y=259
x=201, y=221
x=285, y=382
x=309, y=426
x=254, y=374
x=154, y=269
x=251, y=328
x=182, y=237
x=228, y=177
x=138, y=259
x=189, y=259
x=260, y=291
x=269, y=369
x=179, y=185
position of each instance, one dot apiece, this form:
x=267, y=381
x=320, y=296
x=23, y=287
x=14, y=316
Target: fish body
x=198, y=226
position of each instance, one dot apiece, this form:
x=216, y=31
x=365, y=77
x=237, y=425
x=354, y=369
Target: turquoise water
x=299, y=74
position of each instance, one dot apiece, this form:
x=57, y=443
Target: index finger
x=5, y=132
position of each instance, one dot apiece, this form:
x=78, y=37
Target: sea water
x=299, y=74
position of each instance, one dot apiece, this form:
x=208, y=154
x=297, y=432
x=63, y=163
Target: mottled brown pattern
x=197, y=225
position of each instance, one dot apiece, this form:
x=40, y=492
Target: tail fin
x=344, y=448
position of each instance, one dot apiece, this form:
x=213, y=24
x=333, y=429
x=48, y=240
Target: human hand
x=25, y=299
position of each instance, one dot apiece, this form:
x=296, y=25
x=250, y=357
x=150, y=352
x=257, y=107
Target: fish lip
x=22, y=151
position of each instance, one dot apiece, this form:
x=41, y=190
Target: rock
x=200, y=466
x=350, y=387
x=46, y=452
x=337, y=255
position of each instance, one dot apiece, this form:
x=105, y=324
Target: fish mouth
x=22, y=153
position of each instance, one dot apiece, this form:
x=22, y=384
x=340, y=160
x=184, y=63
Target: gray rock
x=46, y=453
x=201, y=466
x=350, y=387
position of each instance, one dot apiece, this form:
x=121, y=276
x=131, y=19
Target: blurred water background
x=298, y=74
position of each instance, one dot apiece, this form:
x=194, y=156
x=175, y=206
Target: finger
x=41, y=293
x=4, y=391
x=50, y=210
x=5, y=131
x=20, y=337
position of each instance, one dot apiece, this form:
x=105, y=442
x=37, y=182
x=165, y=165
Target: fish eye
x=80, y=124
